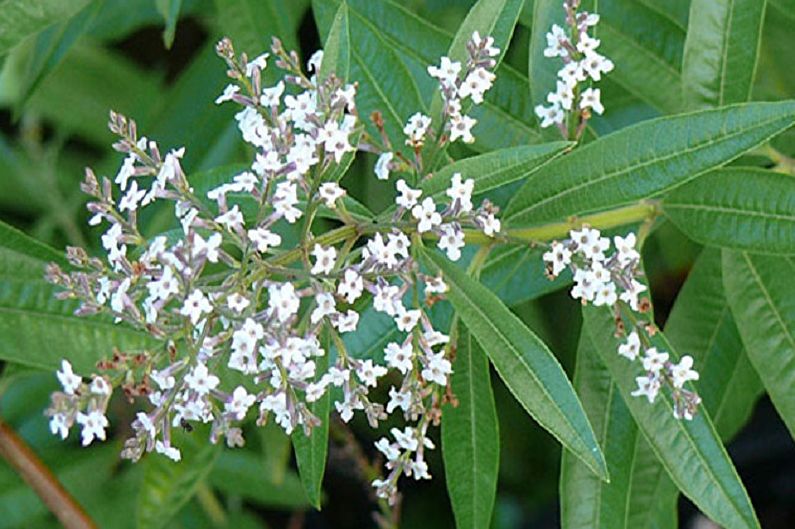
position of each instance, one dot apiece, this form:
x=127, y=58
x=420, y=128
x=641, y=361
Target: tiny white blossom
x=351, y=285
x=200, y=380
x=653, y=360
x=94, y=423
x=348, y=321
x=59, y=426
x=382, y=165
x=406, y=320
x=647, y=387
x=451, y=241
x=461, y=190
x=237, y=302
x=427, y=215
x=283, y=301
x=369, y=373
x=330, y=192
x=631, y=348
x=167, y=450
x=490, y=223
x=595, y=65
x=551, y=115
x=325, y=306
x=232, y=219
x=260, y=62
x=461, y=128
x=272, y=96
x=625, y=246
x=208, y=248
x=416, y=128
x=130, y=201
x=229, y=91
x=398, y=399
x=558, y=257
x=447, y=71
x=556, y=40
x=68, y=379
x=408, y=197
x=195, y=305
x=399, y=356
x=325, y=258
x=437, y=369
x=264, y=239
x=591, y=98
x=240, y=402
x=683, y=372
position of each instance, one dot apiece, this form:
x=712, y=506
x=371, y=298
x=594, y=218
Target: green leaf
x=275, y=452
x=385, y=84
x=495, y=18
x=517, y=274
x=721, y=51
x=22, y=18
x=337, y=49
x=691, y=451
x=169, y=9
x=740, y=208
x=251, y=23
x=470, y=437
x=645, y=160
x=587, y=502
x=311, y=451
x=168, y=485
x=523, y=361
x=761, y=294
x=40, y=330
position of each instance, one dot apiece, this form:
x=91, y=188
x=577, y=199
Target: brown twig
x=36, y=474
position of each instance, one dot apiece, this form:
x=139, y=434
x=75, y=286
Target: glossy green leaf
x=385, y=84
x=337, y=49
x=586, y=501
x=691, y=451
x=311, y=451
x=721, y=51
x=169, y=9
x=470, y=437
x=40, y=330
x=745, y=209
x=21, y=18
x=251, y=23
x=645, y=160
x=761, y=294
x=168, y=485
x=523, y=361
x=517, y=274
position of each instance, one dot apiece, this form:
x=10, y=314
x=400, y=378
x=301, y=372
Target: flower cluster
x=574, y=98
x=244, y=299
x=612, y=280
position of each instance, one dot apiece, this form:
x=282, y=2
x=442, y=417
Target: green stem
x=211, y=505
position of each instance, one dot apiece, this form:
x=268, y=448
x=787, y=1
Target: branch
x=36, y=474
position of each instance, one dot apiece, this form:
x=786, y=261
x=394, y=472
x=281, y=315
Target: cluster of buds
x=613, y=280
x=244, y=299
x=574, y=98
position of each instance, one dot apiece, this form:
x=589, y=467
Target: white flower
x=337, y=142
x=437, y=369
x=132, y=198
x=562, y=96
x=399, y=243
x=683, y=372
x=447, y=71
x=232, y=219
x=314, y=391
x=461, y=127
x=605, y=295
x=389, y=450
x=69, y=381
x=385, y=298
x=348, y=321
x=264, y=239
x=587, y=44
x=406, y=439
x=162, y=380
x=418, y=469
x=94, y=423
x=631, y=348
x=486, y=43
x=337, y=377
x=383, y=253
x=451, y=241
x=433, y=338
x=126, y=171
x=399, y=356
x=595, y=65
x=406, y=319
x=591, y=243
x=314, y=62
x=630, y=296
x=195, y=305
x=435, y=285
x=200, y=380
x=59, y=426
x=300, y=107
x=426, y=214
x=461, y=190
x=398, y=399
x=351, y=285
x=558, y=257
x=324, y=259
x=626, y=248
x=100, y=386
x=284, y=200
x=260, y=62
x=584, y=287
x=551, y=115
x=591, y=98
x=653, y=360
x=325, y=306
x=240, y=403
x=271, y=96
x=382, y=165
x=283, y=301
x=369, y=373
x=408, y=196
x=416, y=128
x=477, y=83
x=208, y=248
x=491, y=225
x=167, y=450
x=647, y=387
x=556, y=39
x=330, y=192
x=229, y=91
x=237, y=302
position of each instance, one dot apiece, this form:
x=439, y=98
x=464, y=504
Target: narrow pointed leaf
x=761, y=293
x=252, y=23
x=169, y=9
x=311, y=452
x=168, y=485
x=530, y=371
x=22, y=18
x=691, y=451
x=739, y=208
x=337, y=49
x=645, y=160
x=587, y=502
x=495, y=18
x=721, y=51
x=470, y=437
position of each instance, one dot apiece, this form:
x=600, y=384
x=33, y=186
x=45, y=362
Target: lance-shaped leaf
x=526, y=365
x=22, y=18
x=470, y=437
x=311, y=451
x=745, y=209
x=169, y=9
x=168, y=485
x=587, y=502
x=721, y=51
x=251, y=23
x=761, y=294
x=40, y=330
x=691, y=451
x=645, y=160
x=337, y=49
